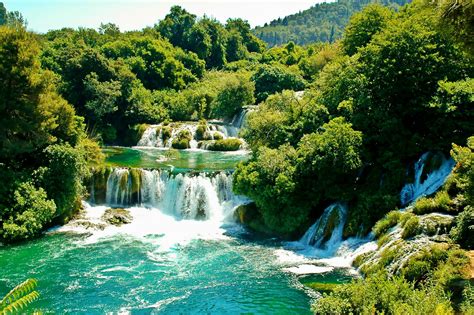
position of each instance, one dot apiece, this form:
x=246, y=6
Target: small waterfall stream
x=325, y=237
x=424, y=187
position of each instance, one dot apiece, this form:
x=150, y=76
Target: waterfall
x=326, y=232
x=154, y=135
x=424, y=187
x=200, y=196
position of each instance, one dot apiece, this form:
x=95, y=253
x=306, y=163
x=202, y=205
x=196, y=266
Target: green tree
x=3, y=14
x=62, y=178
x=30, y=212
x=272, y=79
x=176, y=25
x=237, y=91
x=364, y=25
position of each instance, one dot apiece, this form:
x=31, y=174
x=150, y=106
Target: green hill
x=324, y=22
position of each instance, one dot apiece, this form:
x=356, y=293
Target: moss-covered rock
x=181, y=144
x=229, y=144
x=182, y=140
x=165, y=132
x=332, y=222
x=434, y=224
x=411, y=227
x=217, y=136
x=99, y=184
x=249, y=215
x=117, y=216
x=201, y=130
x=441, y=202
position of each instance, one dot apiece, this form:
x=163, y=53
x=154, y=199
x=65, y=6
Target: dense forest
x=324, y=22
x=397, y=84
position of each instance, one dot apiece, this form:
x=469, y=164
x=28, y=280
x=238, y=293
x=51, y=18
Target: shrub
x=381, y=294
x=30, y=212
x=463, y=232
x=182, y=140
x=390, y=220
x=217, y=136
x=166, y=132
x=229, y=144
x=439, y=203
x=180, y=144
x=411, y=227
x=201, y=130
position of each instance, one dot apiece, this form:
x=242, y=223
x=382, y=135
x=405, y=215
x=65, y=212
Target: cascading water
x=424, y=187
x=324, y=239
x=155, y=137
x=327, y=231
x=184, y=196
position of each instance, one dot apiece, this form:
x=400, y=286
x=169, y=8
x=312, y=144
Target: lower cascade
x=201, y=196
x=327, y=230
x=324, y=239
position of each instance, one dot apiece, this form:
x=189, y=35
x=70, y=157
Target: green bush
x=201, y=130
x=380, y=294
x=166, y=132
x=30, y=212
x=390, y=220
x=439, y=203
x=180, y=144
x=229, y=144
x=463, y=232
x=217, y=136
x=182, y=140
x=411, y=227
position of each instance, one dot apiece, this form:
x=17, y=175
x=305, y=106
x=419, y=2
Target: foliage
x=324, y=22
x=235, y=93
x=462, y=233
x=19, y=297
x=278, y=178
x=30, y=212
x=389, y=221
x=271, y=79
x=363, y=26
x=229, y=144
x=44, y=150
x=383, y=294
x=411, y=227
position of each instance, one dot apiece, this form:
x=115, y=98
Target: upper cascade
x=197, y=135
x=202, y=196
x=429, y=184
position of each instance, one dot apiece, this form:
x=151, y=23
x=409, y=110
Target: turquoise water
x=186, y=160
x=123, y=273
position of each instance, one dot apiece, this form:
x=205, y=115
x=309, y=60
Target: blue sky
x=43, y=15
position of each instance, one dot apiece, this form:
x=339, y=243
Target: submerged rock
x=117, y=216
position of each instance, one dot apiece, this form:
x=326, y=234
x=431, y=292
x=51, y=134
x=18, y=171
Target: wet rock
x=117, y=216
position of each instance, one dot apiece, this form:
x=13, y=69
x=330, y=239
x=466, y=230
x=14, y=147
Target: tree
x=235, y=47
x=237, y=91
x=272, y=79
x=102, y=96
x=176, y=26
x=364, y=25
x=3, y=14
x=29, y=105
x=31, y=211
x=109, y=29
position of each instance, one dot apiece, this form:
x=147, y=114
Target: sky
x=43, y=15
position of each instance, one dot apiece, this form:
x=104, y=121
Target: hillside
x=324, y=22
